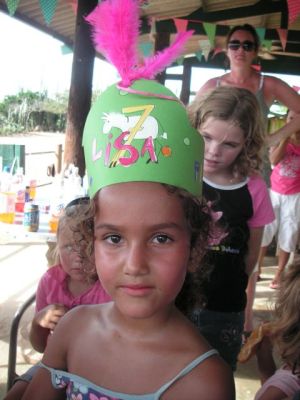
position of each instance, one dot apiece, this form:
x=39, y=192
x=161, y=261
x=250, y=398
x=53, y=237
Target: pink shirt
x=285, y=177
x=263, y=212
x=284, y=380
x=53, y=289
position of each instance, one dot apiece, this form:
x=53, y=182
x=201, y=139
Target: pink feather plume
x=115, y=26
x=115, y=31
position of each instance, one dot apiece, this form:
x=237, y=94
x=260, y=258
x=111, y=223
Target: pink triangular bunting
x=282, y=33
x=294, y=10
x=181, y=24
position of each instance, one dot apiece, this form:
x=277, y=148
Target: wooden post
x=162, y=40
x=81, y=87
x=58, y=158
x=186, y=83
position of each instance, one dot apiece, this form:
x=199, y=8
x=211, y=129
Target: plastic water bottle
x=73, y=185
x=18, y=186
x=7, y=197
x=85, y=184
x=57, y=203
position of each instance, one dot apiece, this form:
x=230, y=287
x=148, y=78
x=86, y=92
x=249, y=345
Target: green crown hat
x=138, y=130
x=141, y=133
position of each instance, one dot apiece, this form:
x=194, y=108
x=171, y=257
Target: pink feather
x=115, y=25
x=115, y=31
x=159, y=61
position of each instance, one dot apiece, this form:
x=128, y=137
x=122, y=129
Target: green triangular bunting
x=12, y=5
x=261, y=33
x=267, y=44
x=48, y=9
x=210, y=30
x=146, y=48
x=198, y=54
x=65, y=49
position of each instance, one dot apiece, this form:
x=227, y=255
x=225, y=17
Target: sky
x=32, y=60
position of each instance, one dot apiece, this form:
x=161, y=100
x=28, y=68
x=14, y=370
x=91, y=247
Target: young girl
x=65, y=285
x=62, y=287
x=285, y=196
x=284, y=335
x=144, y=165
x=229, y=120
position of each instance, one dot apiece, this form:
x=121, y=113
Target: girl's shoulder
x=210, y=379
x=257, y=185
x=210, y=84
x=55, y=273
x=82, y=315
x=255, y=176
x=272, y=84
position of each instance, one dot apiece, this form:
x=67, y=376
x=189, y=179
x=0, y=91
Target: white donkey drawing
x=121, y=121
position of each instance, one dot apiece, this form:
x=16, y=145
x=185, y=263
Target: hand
x=49, y=316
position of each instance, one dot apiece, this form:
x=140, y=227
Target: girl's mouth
x=136, y=290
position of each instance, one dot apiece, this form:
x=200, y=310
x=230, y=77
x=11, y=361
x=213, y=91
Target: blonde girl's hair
x=286, y=323
x=240, y=107
x=78, y=218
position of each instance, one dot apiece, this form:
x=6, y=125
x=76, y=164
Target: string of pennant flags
x=208, y=45
x=48, y=8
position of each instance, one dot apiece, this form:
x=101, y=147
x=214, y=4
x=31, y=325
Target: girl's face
x=241, y=48
x=142, y=247
x=224, y=142
x=70, y=259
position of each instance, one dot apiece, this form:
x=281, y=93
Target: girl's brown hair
x=286, y=324
x=200, y=224
x=79, y=219
x=240, y=107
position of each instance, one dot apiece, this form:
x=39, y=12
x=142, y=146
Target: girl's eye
x=114, y=239
x=162, y=239
x=205, y=137
x=231, y=145
x=68, y=248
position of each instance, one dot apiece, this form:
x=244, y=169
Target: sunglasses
x=246, y=45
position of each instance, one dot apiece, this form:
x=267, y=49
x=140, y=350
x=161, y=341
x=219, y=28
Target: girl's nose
x=136, y=262
x=214, y=149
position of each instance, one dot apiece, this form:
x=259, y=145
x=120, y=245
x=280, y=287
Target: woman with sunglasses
x=242, y=46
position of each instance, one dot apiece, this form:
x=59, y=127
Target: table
x=17, y=233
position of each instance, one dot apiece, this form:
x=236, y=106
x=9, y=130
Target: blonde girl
x=71, y=282
x=285, y=336
x=230, y=122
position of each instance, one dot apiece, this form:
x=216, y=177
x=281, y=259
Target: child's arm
x=283, y=133
x=43, y=323
x=253, y=248
x=265, y=360
x=41, y=388
x=55, y=356
x=277, y=153
x=274, y=393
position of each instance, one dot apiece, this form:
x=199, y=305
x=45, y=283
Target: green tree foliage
x=28, y=111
